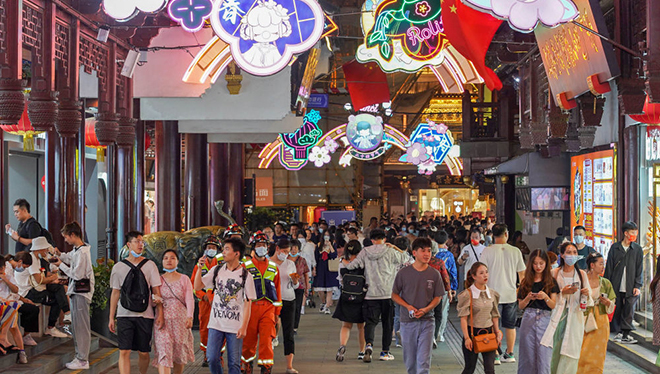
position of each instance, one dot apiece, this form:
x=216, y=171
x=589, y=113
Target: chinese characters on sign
x=264, y=191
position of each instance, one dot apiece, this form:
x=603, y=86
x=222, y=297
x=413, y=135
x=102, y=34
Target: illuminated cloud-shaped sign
x=123, y=10
x=524, y=15
x=190, y=13
x=265, y=34
x=402, y=35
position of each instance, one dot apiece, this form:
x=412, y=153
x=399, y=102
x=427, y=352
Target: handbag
x=484, y=342
x=333, y=265
x=82, y=286
x=590, y=325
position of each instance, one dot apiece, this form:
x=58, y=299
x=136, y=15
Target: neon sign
x=263, y=35
x=429, y=145
x=124, y=10
x=406, y=35
x=191, y=14
x=525, y=15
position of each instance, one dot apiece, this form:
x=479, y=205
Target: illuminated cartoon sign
x=429, y=145
x=364, y=132
x=191, y=14
x=524, y=15
x=403, y=35
x=293, y=148
x=124, y=10
x=265, y=34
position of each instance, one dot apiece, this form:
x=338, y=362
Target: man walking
x=418, y=289
x=579, y=234
x=506, y=262
x=380, y=262
x=77, y=265
x=624, y=270
x=134, y=324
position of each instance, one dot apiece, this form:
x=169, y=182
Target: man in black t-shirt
x=28, y=227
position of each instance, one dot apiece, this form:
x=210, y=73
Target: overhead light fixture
x=143, y=56
x=103, y=34
x=130, y=64
x=348, y=106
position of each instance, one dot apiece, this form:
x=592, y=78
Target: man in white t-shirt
x=504, y=263
x=134, y=329
x=233, y=292
x=288, y=284
x=471, y=253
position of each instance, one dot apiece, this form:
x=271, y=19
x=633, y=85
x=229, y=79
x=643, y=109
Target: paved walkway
x=317, y=343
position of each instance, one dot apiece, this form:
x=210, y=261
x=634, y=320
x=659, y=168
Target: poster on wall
x=264, y=191
x=592, y=197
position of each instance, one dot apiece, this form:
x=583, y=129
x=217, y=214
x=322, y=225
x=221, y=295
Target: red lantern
x=651, y=114
x=92, y=141
x=23, y=128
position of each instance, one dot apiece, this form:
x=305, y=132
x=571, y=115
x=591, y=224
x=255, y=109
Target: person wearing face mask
x=442, y=310
x=303, y=274
x=265, y=308
x=579, y=235
x=471, y=252
x=289, y=281
x=325, y=281
x=205, y=296
x=624, y=270
x=28, y=311
x=174, y=342
x=566, y=329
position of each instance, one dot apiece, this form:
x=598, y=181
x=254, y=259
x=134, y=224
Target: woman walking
x=349, y=308
x=325, y=280
x=537, y=296
x=566, y=330
x=303, y=274
x=597, y=327
x=174, y=342
x=289, y=282
x=478, y=309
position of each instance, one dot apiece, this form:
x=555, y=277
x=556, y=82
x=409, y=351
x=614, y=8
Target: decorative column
x=168, y=176
x=125, y=142
x=138, y=175
x=196, y=181
x=218, y=180
x=236, y=180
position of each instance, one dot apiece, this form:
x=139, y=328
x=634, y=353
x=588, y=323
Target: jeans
x=441, y=313
x=214, y=351
x=534, y=358
x=623, y=314
x=397, y=323
x=417, y=340
x=287, y=316
x=471, y=358
x=373, y=312
x=300, y=293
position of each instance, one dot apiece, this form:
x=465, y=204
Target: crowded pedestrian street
x=321, y=186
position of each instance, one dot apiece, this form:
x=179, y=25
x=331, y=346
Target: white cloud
x=123, y=10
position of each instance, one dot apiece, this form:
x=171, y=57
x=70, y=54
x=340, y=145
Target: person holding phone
x=594, y=346
x=537, y=296
x=289, y=281
x=566, y=330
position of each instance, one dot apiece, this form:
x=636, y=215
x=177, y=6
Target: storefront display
x=592, y=197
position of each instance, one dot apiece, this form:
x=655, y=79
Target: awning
x=543, y=172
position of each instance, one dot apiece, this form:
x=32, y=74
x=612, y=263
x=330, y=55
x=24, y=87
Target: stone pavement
x=317, y=343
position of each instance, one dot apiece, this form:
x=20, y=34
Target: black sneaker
x=367, y=353
x=340, y=353
x=360, y=355
x=205, y=364
x=628, y=340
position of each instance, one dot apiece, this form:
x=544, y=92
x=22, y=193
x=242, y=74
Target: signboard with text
x=264, y=191
x=593, y=191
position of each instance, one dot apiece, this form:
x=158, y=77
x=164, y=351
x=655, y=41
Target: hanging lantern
x=92, y=141
x=651, y=115
x=23, y=128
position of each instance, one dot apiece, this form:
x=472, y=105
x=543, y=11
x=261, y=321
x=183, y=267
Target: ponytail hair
x=469, y=281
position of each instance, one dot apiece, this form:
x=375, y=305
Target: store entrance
x=451, y=202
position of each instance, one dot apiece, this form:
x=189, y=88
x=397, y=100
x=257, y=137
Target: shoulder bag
x=482, y=343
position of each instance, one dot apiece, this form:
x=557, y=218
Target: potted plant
x=100, y=312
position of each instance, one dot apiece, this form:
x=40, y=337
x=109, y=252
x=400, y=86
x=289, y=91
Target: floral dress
x=174, y=343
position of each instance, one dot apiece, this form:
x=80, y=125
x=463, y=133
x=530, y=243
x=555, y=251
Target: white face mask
x=282, y=256
x=261, y=251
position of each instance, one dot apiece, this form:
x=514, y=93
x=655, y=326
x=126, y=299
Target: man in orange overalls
x=211, y=247
x=265, y=308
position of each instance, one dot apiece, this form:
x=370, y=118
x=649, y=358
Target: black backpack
x=353, y=286
x=135, y=292
x=45, y=233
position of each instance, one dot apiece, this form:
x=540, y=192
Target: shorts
x=508, y=315
x=134, y=333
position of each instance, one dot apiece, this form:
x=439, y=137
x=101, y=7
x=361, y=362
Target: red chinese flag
x=367, y=84
x=470, y=32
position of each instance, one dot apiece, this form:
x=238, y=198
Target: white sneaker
x=77, y=365
x=55, y=333
x=302, y=310
x=67, y=319
x=618, y=337
x=276, y=342
x=29, y=340
x=442, y=338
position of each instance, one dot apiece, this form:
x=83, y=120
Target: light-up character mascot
x=265, y=23
x=364, y=138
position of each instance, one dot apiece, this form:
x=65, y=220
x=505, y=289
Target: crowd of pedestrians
x=401, y=273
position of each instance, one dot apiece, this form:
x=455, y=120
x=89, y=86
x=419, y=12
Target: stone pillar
x=138, y=175
x=218, y=180
x=125, y=142
x=236, y=180
x=168, y=176
x=3, y=192
x=196, y=181
x=53, y=151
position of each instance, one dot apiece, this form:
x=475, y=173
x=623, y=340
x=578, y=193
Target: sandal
x=10, y=349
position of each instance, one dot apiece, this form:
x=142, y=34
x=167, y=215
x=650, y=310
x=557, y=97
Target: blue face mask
x=19, y=269
x=169, y=270
x=555, y=265
x=296, y=255
x=572, y=259
x=137, y=255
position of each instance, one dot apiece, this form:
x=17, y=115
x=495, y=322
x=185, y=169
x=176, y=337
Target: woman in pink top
x=174, y=342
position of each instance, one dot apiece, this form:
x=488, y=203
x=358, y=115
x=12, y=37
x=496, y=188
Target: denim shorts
x=508, y=315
